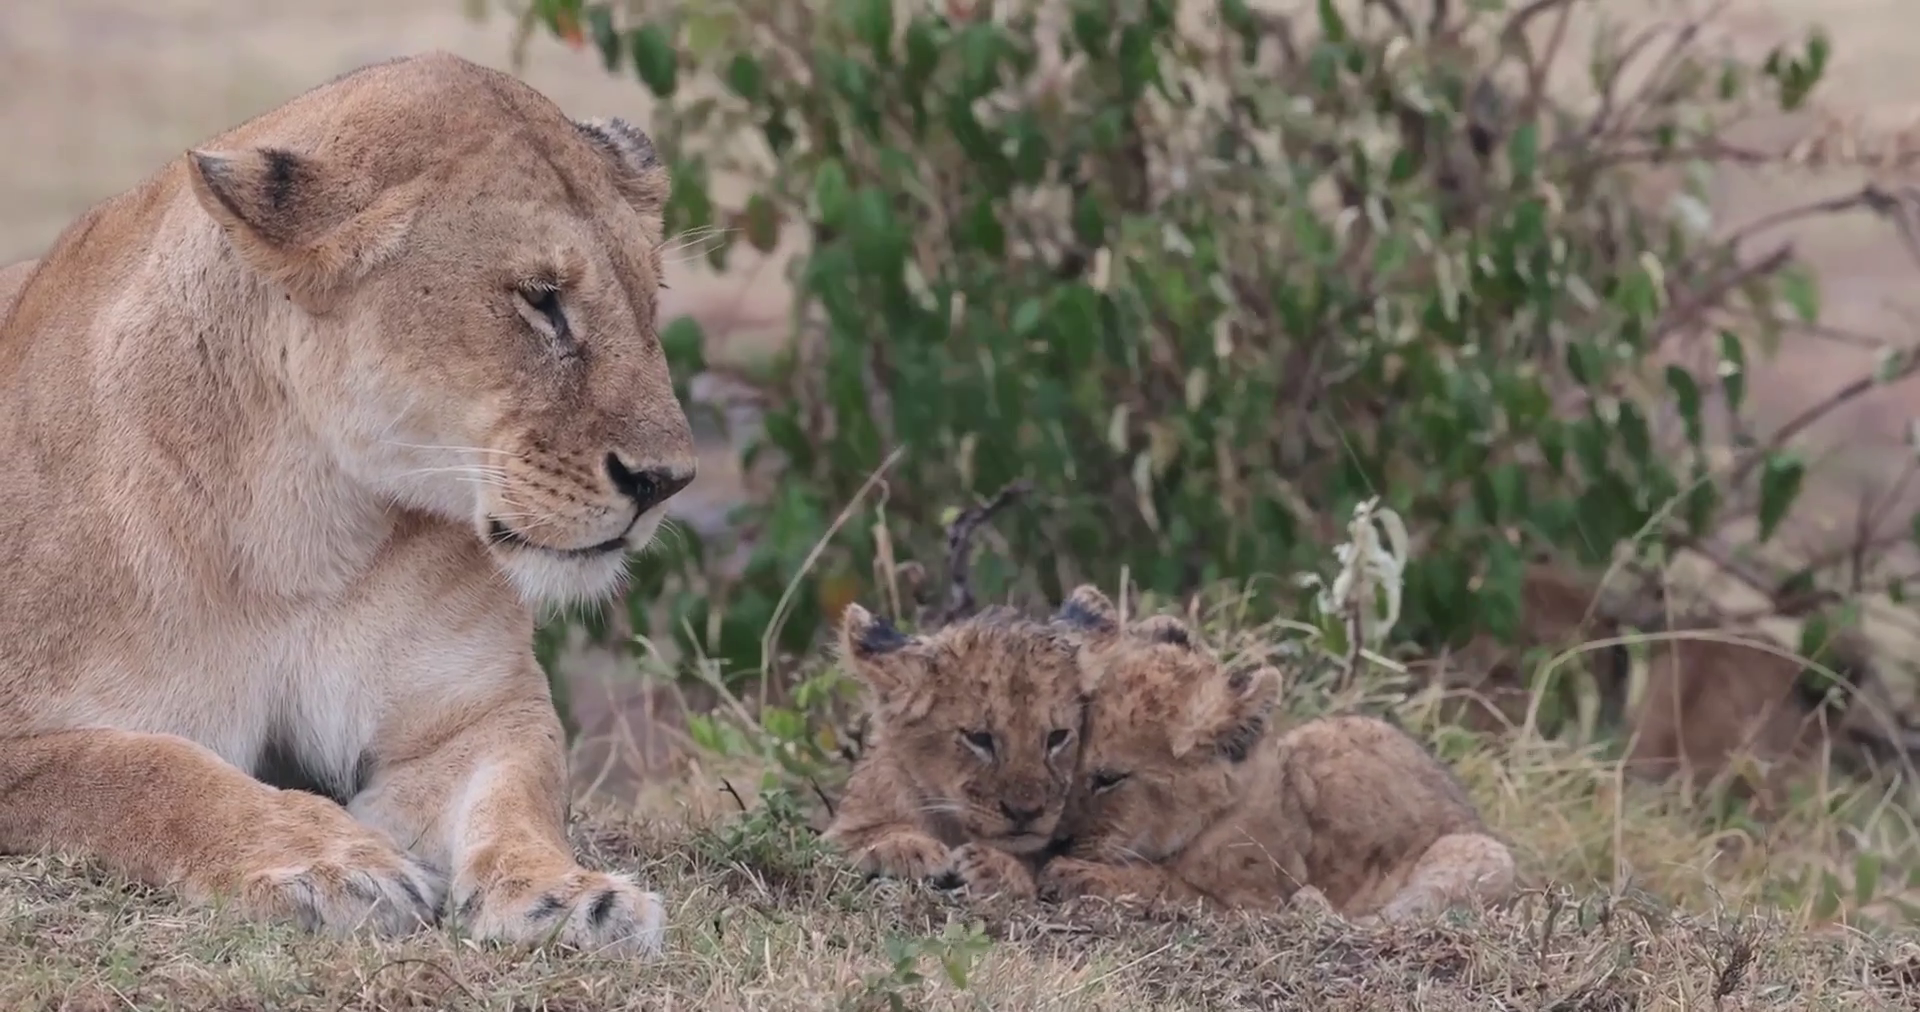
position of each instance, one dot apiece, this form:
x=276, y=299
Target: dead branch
x=960, y=535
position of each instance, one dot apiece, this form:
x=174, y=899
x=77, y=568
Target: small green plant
x=956, y=950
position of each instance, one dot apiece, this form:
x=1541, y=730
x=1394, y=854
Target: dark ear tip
x=870, y=635
x=1087, y=609
x=1165, y=629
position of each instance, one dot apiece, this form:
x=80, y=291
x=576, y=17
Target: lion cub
x=975, y=738
x=1187, y=795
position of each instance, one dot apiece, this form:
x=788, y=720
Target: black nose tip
x=647, y=487
x=1019, y=815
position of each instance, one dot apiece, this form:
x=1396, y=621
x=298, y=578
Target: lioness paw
x=366, y=882
x=986, y=871
x=589, y=910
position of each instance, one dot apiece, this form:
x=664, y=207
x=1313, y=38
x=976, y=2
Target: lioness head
x=1167, y=733
x=983, y=717
x=468, y=284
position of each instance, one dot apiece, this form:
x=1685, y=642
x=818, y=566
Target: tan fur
x=1708, y=705
x=290, y=451
x=931, y=796
x=1186, y=794
x=1489, y=683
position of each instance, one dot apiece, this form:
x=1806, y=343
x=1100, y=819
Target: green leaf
x=655, y=59
x=600, y=26
x=1026, y=317
x=1686, y=394
x=761, y=223
x=1332, y=25
x=1827, y=900
x=746, y=77
x=1703, y=500
x=685, y=346
x=1733, y=369
x=1780, y=481
x=1523, y=151
x=1632, y=426
x=872, y=21
x=831, y=196
x=1801, y=291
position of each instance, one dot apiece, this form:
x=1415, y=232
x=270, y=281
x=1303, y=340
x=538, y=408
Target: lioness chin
x=294, y=436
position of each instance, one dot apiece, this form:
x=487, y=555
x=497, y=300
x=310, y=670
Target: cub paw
x=1066, y=878
x=985, y=871
x=583, y=909
x=910, y=856
x=361, y=880
x=1307, y=898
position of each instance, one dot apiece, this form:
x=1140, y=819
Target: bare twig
x=727, y=786
x=960, y=534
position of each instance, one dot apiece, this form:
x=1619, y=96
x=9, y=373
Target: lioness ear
x=294, y=221
x=642, y=179
x=1231, y=715
x=1088, y=612
x=874, y=650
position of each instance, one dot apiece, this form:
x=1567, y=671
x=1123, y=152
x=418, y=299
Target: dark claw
x=602, y=906
x=547, y=907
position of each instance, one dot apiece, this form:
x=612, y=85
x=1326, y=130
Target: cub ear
x=1231, y=715
x=642, y=179
x=875, y=651
x=1088, y=612
x=293, y=219
x=1167, y=629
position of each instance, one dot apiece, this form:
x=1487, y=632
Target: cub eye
x=1057, y=739
x=1103, y=781
x=979, y=741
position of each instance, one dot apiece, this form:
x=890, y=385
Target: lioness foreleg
x=166, y=811
x=490, y=798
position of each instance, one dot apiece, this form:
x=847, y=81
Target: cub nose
x=647, y=487
x=1019, y=815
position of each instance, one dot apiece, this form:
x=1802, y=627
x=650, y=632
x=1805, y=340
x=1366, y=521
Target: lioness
x=1187, y=795
x=296, y=433
x=975, y=735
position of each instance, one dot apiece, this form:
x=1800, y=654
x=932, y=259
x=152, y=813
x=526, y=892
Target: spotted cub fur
x=1186, y=794
x=974, y=741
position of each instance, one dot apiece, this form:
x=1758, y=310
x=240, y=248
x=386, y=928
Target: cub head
x=465, y=288
x=1169, y=731
x=983, y=717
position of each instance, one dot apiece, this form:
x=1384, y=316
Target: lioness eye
x=546, y=302
x=1057, y=739
x=1103, y=781
x=979, y=741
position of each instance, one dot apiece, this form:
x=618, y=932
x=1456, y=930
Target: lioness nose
x=647, y=487
x=1019, y=815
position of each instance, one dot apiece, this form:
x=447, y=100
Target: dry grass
x=763, y=918
x=763, y=924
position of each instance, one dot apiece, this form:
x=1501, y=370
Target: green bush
x=1206, y=287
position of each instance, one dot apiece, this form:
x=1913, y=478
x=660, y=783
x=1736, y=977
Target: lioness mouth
x=500, y=534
